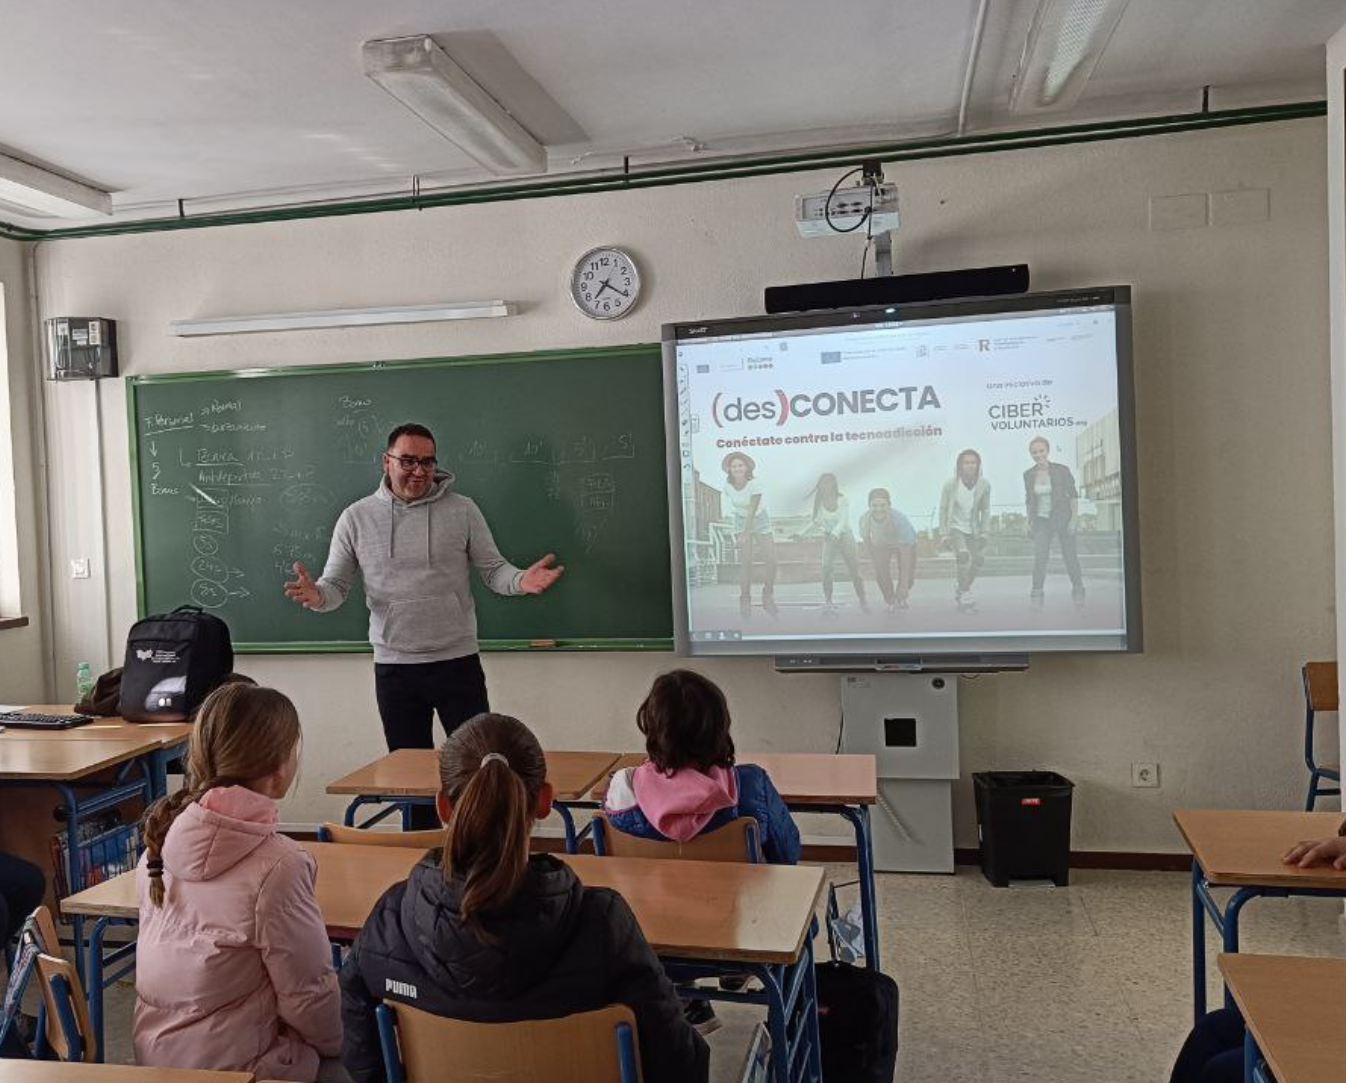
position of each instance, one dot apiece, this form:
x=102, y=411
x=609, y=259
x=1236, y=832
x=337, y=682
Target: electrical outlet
x=79, y=568
x=1144, y=774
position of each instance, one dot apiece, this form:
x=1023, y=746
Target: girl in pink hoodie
x=234, y=971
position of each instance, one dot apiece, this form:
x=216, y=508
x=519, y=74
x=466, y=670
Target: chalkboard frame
x=135, y=383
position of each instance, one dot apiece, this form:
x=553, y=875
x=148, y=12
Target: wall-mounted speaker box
x=898, y=289
x=80, y=347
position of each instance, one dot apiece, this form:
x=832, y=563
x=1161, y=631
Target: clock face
x=605, y=283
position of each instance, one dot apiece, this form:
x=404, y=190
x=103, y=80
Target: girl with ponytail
x=233, y=969
x=482, y=930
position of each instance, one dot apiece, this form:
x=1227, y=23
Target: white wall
x=1232, y=400
x=22, y=658
x=1336, y=240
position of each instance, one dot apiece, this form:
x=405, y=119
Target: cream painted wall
x=1234, y=437
x=22, y=658
x=1336, y=240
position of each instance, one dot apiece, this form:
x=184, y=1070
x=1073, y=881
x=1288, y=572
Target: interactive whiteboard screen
x=948, y=478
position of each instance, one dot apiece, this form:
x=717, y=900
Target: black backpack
x=857, y=1024
x=173, y=662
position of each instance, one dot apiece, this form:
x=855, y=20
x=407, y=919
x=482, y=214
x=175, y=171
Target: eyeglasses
x=410, y=462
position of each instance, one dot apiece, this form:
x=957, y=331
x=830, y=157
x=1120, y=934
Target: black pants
x=1044, y=530
x=409, y=696
x=22, y=886
x=1213, y=1052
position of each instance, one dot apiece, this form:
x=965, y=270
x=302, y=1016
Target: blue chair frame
x=1320, y=694
x=395, y=1072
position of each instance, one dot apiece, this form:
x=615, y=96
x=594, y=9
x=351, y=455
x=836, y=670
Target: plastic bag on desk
x=845, y=932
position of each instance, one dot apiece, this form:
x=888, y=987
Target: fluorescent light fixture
x=1065, y=42
x=341, y=317
x=41, y=190
x=424, y=78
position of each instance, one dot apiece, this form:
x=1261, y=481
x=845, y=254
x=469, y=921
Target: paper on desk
x=7, y=707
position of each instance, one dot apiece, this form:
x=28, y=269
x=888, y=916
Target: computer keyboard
x=37, y=720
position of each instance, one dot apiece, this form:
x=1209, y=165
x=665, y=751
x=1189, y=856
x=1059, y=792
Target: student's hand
x=1318, y=852
x=541, y=575
x=303, y=590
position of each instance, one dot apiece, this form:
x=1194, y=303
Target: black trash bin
x=1023, y=824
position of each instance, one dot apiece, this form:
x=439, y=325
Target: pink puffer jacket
x=234, y=971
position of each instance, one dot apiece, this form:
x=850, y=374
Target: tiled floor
x=1053, y=985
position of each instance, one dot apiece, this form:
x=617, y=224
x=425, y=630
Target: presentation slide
x=939, y=484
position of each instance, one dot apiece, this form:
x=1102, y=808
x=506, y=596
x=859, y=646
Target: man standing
x=886, y=533
x=412, y=541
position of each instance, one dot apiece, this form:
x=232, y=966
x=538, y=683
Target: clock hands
x=607, y=285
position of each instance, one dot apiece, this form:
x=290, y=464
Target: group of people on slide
x=1051, y=501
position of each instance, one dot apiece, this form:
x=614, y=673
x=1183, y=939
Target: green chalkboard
x=239, y=474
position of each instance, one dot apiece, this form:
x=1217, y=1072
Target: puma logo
x=401, y=988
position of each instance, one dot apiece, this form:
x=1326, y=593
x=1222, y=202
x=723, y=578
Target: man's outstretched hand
x=304, y=590
x=535, y=580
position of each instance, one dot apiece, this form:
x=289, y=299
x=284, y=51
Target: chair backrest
x=1320, y=686
x=45, y=931
x=68, y=1030
x=589, y=1047
x=416, y=840
x=735, y=841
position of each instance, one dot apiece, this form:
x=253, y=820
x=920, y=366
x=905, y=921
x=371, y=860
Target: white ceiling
x=264, y=102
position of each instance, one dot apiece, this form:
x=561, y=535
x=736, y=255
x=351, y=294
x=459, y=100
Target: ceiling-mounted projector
x=845, y=214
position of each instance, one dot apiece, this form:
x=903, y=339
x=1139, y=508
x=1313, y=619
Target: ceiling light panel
x=424, y=78
x=41, y=190
x=1066, y=40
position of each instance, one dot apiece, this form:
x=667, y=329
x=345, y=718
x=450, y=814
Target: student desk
x=721, y=917
x=1295, y=1009
x=1242, y=848
x=728, y=918
x=52, y=1071
x=410, y=776
x=168, y=738
x=68, y=767
x=839, y=785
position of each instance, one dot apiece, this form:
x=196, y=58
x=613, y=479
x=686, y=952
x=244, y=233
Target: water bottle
x=83, y=681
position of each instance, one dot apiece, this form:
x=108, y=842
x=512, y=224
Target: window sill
x=13, y=622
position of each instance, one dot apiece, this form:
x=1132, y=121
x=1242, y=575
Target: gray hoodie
x=413, y=557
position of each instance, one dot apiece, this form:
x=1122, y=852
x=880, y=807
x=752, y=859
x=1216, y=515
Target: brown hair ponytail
x=491, y=769
x=243, y=733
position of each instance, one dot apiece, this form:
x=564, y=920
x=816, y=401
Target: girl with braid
x=234, y=970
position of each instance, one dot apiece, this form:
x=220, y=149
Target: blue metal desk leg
x=773, y=984
x=568, y=821
x=94, y=968
x=864, y=854
x=1230, y=928
x=809, y=1013
x=1250, y=1056
x=1198, y=945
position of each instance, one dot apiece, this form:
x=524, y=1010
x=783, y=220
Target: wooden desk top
x=1296, y=1008
x=1243, y=847
x=690, y=909
x=414, y=772
x=162, y=733
x=712, y=909
x=33, y=1071
x=818, y=778
x=42, y=758
x=351, y=879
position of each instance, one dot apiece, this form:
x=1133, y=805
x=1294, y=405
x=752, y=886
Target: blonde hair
x=241, y=734
x=491, y=769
